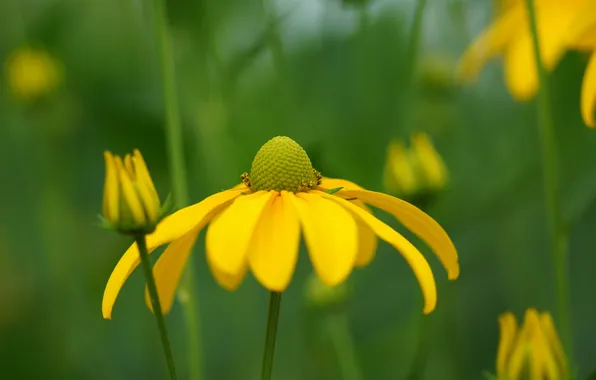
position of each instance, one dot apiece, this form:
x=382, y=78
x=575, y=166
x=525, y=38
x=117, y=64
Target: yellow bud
x=321, y=296
x=430, y=164
x=399, y=176
x=533, y=349
x=130, y=201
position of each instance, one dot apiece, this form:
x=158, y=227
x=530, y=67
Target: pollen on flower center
x=282, y=164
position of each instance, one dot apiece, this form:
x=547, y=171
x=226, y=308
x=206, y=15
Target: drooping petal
x=229, y=235
x=168, y=270
x=414, y=258
x=588, y=101
x=229, y=282
x=330, y=233
x=111, y=203
x=553, y=23
x=417, y=221
x=274, y=246
x=332, y=183
x=491, y=42
x=367, y=240
x=171, y=228
x=508, y=327
x=582, y=31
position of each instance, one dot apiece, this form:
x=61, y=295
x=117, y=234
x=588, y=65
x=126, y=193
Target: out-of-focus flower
x=258, y=224
x=533, y=351
x=414, y=170
x=130, y=201
x=562, y=25
x=321, y=296
x=32, y=73
x=435, y=72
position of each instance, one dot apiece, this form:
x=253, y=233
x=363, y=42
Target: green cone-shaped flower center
x=282, y=164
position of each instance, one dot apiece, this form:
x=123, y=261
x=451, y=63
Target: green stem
x=274, y=41
x=161, y=324
x=339, y=332
x=414, y=40
x=175, y=148
x=421, y=355
x=271, y=333
x=558, y=236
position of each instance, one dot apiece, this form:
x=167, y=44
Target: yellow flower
x=509, y=35
x=32, y=73
x=258, y=225
x=130, y=201
x=414, y=170
x=534, y=349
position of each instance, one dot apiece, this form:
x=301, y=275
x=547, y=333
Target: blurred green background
x=339, y=79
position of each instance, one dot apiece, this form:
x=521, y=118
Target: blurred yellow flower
x=32, y=73
x=258, y=224
x=130, y=200
x=417, y=169
x=534, y=349
x=320, y=295
x=562, y=25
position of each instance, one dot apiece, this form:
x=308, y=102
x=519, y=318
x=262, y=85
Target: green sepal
x=334, y=190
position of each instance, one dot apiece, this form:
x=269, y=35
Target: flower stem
x=414, y=41
x=271, y=333
x=558, y=235
x=339, y=332
x=175, y=148
x=161, y=324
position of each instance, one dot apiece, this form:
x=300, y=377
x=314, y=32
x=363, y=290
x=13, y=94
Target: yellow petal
x=111, y=201
x=553, y=341
x=148, y=200
x=141, y=171
x=274, y=246
x=331, y=236
x=491, y=42
x=582, y=31
x=421, y=224
x=168, y=270
x=333, y=183
x=520, y=66
x=129, y=167
x=414, y=258
x=588, y=101
x=171, y=228
x=229, y=235
x=508, y=327
x=367, y=240
x=228, y=281
x=129, y=193
x=179, y=223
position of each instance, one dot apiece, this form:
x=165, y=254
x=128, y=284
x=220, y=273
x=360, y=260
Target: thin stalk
x=271, y=334
x=175, y=148
x=420, y=357
x=161, y=324
x=414, y=40
x=558, y=236
x=343, y=344
x=274, y=40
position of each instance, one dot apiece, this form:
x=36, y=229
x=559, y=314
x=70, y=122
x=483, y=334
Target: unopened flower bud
x=130, y=201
